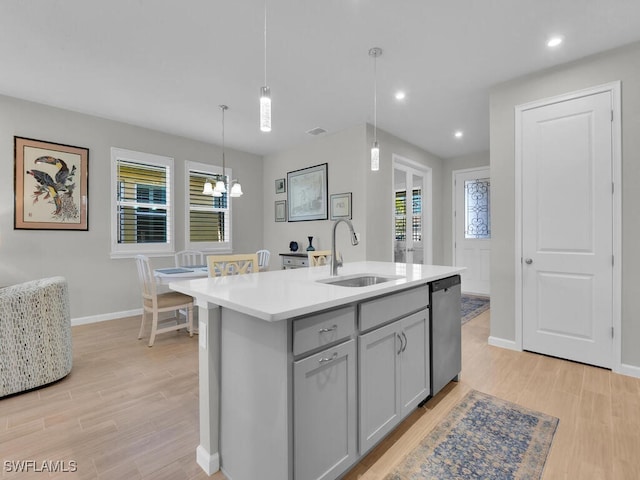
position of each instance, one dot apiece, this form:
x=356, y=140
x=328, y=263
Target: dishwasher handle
x=445, y=283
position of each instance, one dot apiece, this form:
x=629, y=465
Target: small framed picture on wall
x=281, y=185
x=281, y=210
x=341, y=206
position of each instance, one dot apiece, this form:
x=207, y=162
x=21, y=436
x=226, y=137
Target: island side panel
x=254, y=421
x=207, y=453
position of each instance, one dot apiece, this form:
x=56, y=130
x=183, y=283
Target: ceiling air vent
x=316, y=131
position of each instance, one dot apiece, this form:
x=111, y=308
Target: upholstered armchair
x=35, y=334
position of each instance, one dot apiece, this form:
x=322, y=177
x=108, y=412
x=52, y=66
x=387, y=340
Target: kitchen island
x=300, y=378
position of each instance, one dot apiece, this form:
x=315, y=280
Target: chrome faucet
x=335, y=262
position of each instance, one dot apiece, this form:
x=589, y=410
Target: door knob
x=528, y=261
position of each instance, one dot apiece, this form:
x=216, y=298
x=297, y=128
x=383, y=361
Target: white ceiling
x=168, y=64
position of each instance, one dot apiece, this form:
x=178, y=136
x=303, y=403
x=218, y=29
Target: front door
x=472, y=224
x=567, y=229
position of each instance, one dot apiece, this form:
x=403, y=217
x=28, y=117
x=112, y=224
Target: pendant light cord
x=223, y=108
x=375, y=98
x=265, y=42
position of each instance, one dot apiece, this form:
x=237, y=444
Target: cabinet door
x=324, y=391
x=379, y=401
x=414, y=361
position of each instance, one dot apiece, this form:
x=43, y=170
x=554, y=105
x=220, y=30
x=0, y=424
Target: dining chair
x=318, y=258
x=223, y=265
x=189, y=258
x=263, y=259
x=154, y=303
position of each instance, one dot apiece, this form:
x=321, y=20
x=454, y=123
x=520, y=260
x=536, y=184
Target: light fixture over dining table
x=221, y=183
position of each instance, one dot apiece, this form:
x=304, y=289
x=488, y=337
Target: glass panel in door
x=408, y=216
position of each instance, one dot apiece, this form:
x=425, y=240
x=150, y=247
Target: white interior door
x=567, y=229
x=472, y=225
x=409, y=215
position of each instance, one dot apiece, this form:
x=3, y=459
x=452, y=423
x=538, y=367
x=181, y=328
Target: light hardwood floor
x=129, y=411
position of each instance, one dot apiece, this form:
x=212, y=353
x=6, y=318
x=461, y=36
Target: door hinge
x=612, y=336
x=613, y=260
x=612, y=115
x=613, y=188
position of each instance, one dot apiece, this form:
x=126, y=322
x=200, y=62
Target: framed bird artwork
x=51, y=186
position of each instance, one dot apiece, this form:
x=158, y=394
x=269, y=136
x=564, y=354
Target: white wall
x=347, y=155
x=621, y=64
x=98, y=285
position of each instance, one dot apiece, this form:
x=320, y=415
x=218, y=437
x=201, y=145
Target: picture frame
x=281, y=210
x=51, y=182
x=307, y=194
x=341, y=206
x=281, y=185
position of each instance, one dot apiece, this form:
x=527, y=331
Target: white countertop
x=281, y=294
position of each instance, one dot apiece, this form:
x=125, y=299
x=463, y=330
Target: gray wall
x=98, y=285
x=474, y=160
x=347, y=155
x=621, y=64
x=379, y=194
x=343, y=152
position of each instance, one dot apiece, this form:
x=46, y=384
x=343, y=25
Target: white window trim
x=212, y=247
x=153, y=249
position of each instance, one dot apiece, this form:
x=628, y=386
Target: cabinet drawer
x=295, y=262
x=382, y=310
x=326, y=328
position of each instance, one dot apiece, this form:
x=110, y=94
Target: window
x=141, y=201
x=477, y=208
x=208, y=219
x=401, y=215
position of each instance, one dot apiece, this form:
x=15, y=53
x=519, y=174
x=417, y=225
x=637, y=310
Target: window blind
x=208, y=216
x=142, y=205
x=401, y=215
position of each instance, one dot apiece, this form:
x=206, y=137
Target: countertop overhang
x=282, y=294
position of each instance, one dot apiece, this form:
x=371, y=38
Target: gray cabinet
x=348, y=396
x=325, y=413
x=393, y=375
x=414, y=361
x=378, y=355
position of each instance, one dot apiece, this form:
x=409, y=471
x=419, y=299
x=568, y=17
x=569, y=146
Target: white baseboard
x=629, y=370
x=503, y=343
x=105, y=316
x=209, y=463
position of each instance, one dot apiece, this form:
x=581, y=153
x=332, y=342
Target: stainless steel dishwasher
x=446, y=347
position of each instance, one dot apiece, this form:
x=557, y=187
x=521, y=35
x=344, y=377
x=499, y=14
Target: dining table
x=164, y=276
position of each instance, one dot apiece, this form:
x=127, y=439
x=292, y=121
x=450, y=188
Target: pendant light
x=221, y=187
x=265, y=91
x=375, y=52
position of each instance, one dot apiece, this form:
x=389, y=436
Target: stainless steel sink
x=365, y=280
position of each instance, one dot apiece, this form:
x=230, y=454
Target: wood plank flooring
x=129, y=411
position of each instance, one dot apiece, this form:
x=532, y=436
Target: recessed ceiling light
x=400, y=95
x=458, y=134
x=554, y=41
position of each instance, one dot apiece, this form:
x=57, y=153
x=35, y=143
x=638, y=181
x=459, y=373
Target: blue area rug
x=472, y=306
x=483, y=437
